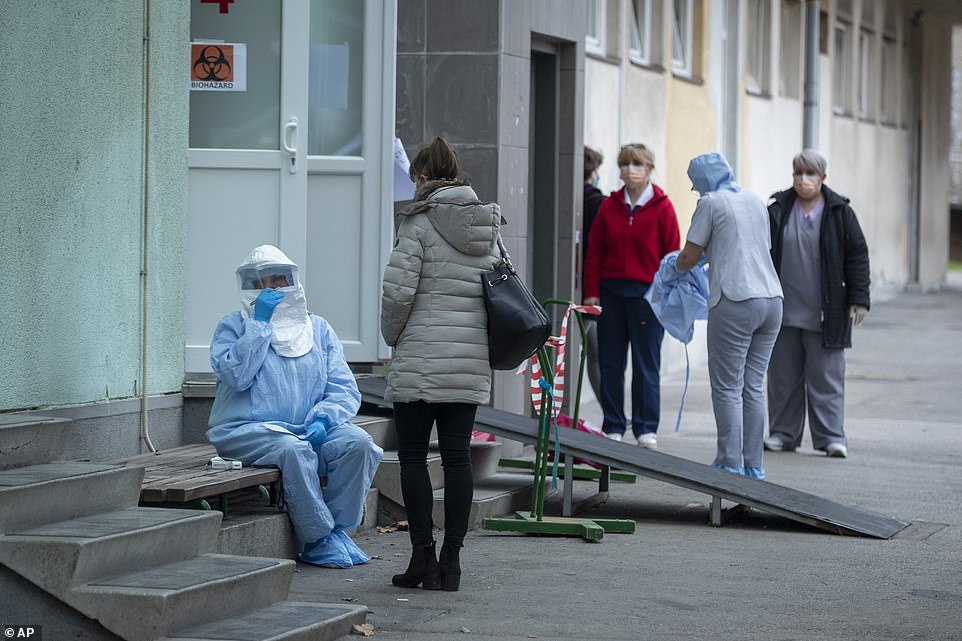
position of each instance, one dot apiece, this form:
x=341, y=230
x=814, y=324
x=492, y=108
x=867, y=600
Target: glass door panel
x=239, y=119
x=336, y=78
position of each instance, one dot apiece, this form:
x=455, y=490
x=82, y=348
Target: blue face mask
x=596, y=181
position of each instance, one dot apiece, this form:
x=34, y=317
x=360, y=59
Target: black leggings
x=413, y=422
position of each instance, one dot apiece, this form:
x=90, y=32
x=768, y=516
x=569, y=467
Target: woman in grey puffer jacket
x=433, y=314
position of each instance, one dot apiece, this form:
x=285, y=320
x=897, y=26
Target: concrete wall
x=934, y=153
x=464, y=73
x=71, y=193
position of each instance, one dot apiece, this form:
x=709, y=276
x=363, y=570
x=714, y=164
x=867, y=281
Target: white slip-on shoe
x=775, y=444
x=649, y=440
x=836, y=450
x=615, y=436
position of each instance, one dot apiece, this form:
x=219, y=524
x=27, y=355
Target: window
x=640, y=26
x=681, y=42
x=757, y=47
x=595, y=31
x=889, y=93
x=790, y=55
x=841, y=77
x=865, y=85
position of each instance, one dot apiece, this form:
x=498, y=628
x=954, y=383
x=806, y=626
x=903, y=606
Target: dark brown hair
x=593, y=160
x=436, y=161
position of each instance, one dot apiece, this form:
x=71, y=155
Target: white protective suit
x=266, y=400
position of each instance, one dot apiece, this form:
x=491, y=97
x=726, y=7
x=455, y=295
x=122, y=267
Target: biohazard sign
x=218, y=66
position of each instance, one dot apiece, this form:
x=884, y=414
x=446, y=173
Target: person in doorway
x=634, y=229
x=433, y=314
x=285, y=397
x=730, y=229
x=592, y=202
x=821, y=256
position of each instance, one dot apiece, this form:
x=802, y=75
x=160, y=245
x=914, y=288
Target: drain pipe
x=810, y=117
x=914, y=120
x=145, y=219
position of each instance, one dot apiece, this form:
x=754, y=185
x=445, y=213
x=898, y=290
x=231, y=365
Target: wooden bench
x=181, y=475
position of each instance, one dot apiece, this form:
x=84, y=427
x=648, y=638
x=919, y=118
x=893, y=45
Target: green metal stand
x=579, y=472
x=535, y=522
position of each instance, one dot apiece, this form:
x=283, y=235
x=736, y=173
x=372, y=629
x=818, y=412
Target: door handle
x=289, y=141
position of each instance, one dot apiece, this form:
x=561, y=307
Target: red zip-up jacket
x=630, y=246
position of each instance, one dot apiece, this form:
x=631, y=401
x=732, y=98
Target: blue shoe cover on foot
x=357, y=554
x=755, y=473
x=729, y=468
x=329, y=552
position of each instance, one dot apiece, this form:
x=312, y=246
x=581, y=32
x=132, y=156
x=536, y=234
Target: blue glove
x=316, y=433
x=265, y=303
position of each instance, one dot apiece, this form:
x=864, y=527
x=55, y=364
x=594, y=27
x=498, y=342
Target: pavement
x=760, y=577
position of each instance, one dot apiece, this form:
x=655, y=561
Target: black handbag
x=517, y=323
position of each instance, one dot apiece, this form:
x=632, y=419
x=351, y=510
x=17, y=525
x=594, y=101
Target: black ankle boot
x=450, y=565
x=423, y=569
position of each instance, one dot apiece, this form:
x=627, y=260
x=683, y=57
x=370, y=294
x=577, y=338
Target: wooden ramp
x=719, y=484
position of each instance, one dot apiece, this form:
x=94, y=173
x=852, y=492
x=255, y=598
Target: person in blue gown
x=285, y=397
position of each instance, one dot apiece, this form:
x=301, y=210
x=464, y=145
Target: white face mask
x=634, y=176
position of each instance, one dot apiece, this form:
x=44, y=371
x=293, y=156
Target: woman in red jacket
x=635, y=227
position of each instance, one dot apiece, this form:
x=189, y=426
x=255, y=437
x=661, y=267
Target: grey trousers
x=803, y=373
x=740, y=339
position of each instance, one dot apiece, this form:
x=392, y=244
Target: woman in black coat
x=820, y=254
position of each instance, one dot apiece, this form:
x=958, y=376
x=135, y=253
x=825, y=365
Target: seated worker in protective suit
x=285, y=397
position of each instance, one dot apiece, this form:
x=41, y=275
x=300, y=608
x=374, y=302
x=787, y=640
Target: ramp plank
x=765, y=496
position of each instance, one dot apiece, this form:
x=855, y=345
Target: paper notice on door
x=218, y=66
x=403, y=187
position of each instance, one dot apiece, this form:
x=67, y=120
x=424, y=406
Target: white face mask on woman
x=635, y=176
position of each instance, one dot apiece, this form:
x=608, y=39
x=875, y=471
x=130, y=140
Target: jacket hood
x=455, y=212
x=711, y=172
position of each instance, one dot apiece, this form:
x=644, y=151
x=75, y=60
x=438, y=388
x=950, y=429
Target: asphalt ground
x=759, y=577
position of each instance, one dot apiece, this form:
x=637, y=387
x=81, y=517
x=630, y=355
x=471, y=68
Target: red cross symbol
x=223, y=4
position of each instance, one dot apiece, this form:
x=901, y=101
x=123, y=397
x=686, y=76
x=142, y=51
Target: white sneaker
x=836, y=450
x=649, y=440
x=775, y=444
x=615, y=436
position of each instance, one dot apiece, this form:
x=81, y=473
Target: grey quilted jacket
x=432, y=304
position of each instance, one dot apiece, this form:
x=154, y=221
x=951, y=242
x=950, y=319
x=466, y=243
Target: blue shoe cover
x=357, y=555
x=729, y=468
x=328, y=552
x=755, y=473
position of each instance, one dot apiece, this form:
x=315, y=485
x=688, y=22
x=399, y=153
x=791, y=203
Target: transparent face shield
x=269, y=277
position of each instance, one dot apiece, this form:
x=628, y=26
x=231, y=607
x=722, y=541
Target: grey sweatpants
x=801, y=373
x=740, y=339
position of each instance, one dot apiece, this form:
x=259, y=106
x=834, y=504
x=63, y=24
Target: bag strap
x=505, y=257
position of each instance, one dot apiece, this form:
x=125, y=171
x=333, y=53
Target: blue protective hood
x=711, y=172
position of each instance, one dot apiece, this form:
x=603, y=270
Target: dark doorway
x=543, y=171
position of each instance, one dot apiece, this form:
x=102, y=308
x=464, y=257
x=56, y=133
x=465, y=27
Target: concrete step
x=30, y=439
x=52, y=492
x=75, y=551
x=380, y=427
x=286, y=621
x=485, y=458
x=151, y=603
x=493, y=496
x=387, y=479
x=484, y=462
